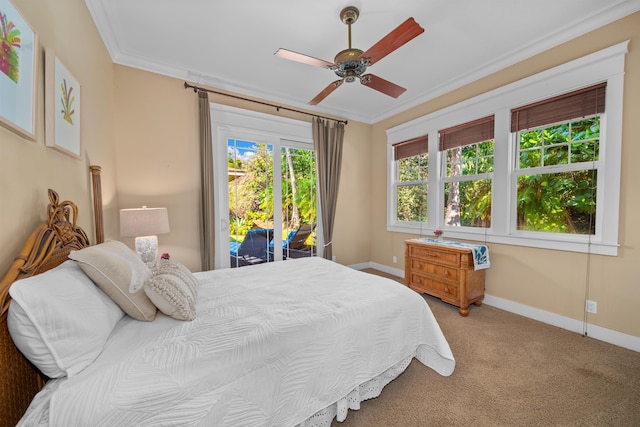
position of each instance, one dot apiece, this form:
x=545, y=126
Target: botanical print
x=18, y=45
x=9, y=42
x=67, y=102
x=62, y=107
x=66, y=113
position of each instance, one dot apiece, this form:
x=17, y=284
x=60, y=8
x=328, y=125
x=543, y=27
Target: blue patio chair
x=253, y=249
x=294, y=246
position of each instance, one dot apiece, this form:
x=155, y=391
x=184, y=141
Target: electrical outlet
x=395, y=259
x=592, y=307
x=333, y=258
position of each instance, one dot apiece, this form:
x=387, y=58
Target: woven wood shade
x=579, y=103
x=467, y=133
x=410, y=148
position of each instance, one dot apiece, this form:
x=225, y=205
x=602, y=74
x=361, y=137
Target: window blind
x=467, y=133
x=410, y=148
x=579, y=103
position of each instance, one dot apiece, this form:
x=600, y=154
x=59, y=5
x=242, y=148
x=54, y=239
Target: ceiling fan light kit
x=350, y=64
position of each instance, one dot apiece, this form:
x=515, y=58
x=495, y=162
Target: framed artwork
x=61, y=106
x=18, y=48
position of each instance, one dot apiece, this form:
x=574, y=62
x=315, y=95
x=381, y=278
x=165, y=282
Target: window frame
x=606, y=65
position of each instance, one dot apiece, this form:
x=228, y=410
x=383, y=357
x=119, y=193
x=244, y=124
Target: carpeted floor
x=511, y=371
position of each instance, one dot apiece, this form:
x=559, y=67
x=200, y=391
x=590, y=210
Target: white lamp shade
x=143, y=222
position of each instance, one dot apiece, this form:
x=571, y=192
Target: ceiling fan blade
x=404, y=33
x=325, y=92
x=382, y=85
x=305, y=59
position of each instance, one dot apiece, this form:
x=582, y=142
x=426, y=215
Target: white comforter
x=272, y=345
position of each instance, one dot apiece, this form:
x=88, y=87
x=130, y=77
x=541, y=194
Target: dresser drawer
x=443, y=271
x=433, y=286
x=449, y=258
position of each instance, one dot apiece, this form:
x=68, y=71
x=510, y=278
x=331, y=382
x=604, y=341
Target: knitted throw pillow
x=174, y=290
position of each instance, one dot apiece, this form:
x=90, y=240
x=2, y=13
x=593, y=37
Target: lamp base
x=147, y=250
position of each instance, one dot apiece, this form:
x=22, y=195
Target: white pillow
x=174, y=290
x=60, y=320
x=119, y=272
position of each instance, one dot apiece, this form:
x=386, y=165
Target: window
x=468, y=173
x=557, y=163
x=411, y=165
x=558, y=177
x=546, y=177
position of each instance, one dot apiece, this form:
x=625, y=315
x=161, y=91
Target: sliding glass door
x=265, y=197
x=252, y=199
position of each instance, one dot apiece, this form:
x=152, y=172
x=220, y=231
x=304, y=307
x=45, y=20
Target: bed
x=290, y=343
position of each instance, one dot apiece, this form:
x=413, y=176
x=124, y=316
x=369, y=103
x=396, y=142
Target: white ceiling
x=230, y=45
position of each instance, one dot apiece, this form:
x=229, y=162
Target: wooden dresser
x=444, y=272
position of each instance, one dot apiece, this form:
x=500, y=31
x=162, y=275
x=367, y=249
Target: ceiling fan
x=351, y=63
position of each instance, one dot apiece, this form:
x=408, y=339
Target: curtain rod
x=277, y=107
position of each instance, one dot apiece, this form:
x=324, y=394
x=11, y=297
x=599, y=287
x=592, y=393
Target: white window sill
x=569, y=243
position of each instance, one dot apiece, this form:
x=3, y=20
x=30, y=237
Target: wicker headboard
x=47, y=247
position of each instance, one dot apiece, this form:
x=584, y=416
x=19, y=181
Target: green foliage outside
x=561, y=202
x=473, y=207
x=468, y=202
x=251, y=194
x=299, y=190
x=250, y=200
x=413, y=173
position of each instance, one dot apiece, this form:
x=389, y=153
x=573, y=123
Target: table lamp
x=145, y=224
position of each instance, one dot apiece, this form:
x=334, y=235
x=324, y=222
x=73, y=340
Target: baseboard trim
x=597, y=332
x=381, y=267
x=594, y=331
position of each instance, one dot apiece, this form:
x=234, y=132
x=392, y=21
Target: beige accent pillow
x=119, y=272
x=174, y=290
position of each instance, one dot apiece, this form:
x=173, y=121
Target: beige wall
x=548, y=280
x=157, y=163
x=29, y=168
x=157, y=156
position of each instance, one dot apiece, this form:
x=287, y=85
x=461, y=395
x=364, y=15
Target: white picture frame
x=18, y=71
x=62, y=107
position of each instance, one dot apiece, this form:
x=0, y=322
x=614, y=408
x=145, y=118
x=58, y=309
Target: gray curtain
x=207, y=244
x=327, y=141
